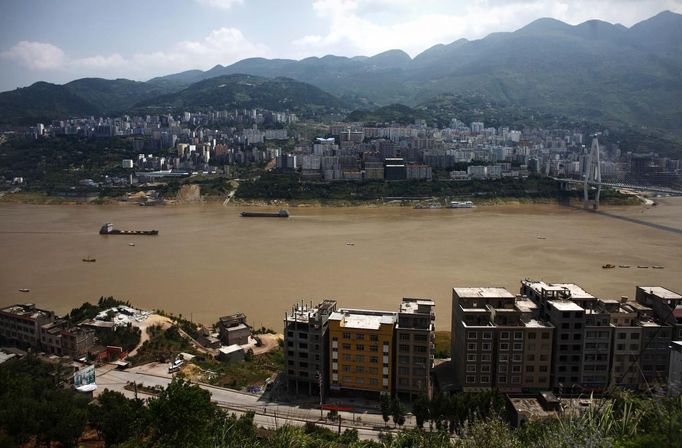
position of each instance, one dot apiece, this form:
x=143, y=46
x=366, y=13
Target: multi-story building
x=596, y=349
x=675, y=371
x=415, y=343
x=667, y=306
x=233, y=329
x=20, y=324
x=306, y=347
x=492, y=332
x=626, y=340
x=361, y=351
x=60, y=338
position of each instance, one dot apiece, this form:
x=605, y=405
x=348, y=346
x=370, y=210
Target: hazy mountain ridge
x=594, y=70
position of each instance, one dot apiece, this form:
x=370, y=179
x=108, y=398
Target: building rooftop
x=534, y=323
x=412, y=306
x=227, y=349
x=661, y=292
x=364, y=319
x=576, y=291
x=27, y=310
x=486, y=292
x=565, y=305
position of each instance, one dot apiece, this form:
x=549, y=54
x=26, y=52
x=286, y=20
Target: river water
x=208, y=261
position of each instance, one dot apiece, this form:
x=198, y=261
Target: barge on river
x=280, y=214
x=108, y=229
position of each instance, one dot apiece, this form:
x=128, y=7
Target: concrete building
x=59, y=338
x=626, y=343
x=20, y=324
x=491, y=329
x=667, y=306
x=596, y=349
x=233, y=329
x=230, y=353
x=306, y=347
x=415, y=342
x=361, y=351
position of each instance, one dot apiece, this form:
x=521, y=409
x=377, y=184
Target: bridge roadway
x=268, y=414
x=661, y=190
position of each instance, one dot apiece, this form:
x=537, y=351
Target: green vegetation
x=291, y=187
x=88, y=311
x=253, y=371
x=56, y=164
x=33, y=407
x=443, y=344
x=162, y=346
x=245, y=91
x=127, y=337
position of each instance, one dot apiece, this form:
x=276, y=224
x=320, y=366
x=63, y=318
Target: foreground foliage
x=34, y=407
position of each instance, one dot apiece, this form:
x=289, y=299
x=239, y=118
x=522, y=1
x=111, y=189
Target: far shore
x=39, y=198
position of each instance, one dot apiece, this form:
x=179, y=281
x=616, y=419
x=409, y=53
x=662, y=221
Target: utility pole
x=320, y=384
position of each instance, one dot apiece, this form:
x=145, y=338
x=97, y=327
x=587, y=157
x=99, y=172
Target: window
x=530, y=357
x=502, y=379
x=532, y=335
x=486, y=346
x=373, y=348
x=404, y=336
x=420, y=348
x=518, y=335
x=516, y=369
x=504, y=357
x=486, y=357
x=471, y=346
x=420, y=338
x=502, y=368
x=471, y=357
x=485, y=379
x=504, y=335
x=471, y=335
x=346, y=335
x=373, y=338
x=346, y=357
x=545, y=335
x=403, y=348
x=471, y=368
x=530, y=369
x=518, y=346
x=359, y=358
x=516, y=379
x=346, y=346
x=487, y=335
x=403, y=359
x=360, y=369
x=470, y=379
x=374, y=359
x=360, y=337
x=360, y=347
x=485, y=368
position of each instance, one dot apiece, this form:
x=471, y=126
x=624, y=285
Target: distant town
x=222, y=144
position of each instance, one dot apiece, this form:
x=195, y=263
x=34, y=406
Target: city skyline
x=38, y=42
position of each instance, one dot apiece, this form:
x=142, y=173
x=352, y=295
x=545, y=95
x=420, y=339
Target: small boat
x=24, y=290
x=89, y=260
x=542, y=237
x=624, y=266
x=350, y=244
x=608, y=266
x=657, y=267
x=643, y=267
x=428, y=206
x=461, y=204
x=131, y=244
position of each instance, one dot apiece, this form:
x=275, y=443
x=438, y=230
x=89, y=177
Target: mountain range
x=594, y=71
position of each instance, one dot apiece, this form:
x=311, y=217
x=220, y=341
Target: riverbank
x=41, y=198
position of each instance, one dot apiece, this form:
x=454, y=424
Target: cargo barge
x=280, y=214
x=108, y=229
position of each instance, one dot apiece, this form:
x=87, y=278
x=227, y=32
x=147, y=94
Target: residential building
x=233, y=329
x=626, y=343
x=491, y=329
x=20, y=324
x=361, y=351
x=62, y=339
x=415, y=343
x=596, y=349
x=667, y=306
x=306, y=347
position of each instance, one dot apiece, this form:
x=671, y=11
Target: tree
x=386, y=407
x=398, y=412
x=420, y=409
x=182, y=415
x=116, y=418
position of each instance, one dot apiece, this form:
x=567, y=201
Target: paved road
x=270, y=415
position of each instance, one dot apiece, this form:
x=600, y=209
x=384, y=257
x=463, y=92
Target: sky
x=61, y=40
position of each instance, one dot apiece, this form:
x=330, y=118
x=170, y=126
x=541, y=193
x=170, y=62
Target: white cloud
x=220, y=46
x=222, y=4
x=35, y=55
x=372, y=26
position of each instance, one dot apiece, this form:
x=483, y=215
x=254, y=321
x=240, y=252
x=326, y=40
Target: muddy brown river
x=207, y=261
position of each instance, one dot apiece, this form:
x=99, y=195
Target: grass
x=251, y=372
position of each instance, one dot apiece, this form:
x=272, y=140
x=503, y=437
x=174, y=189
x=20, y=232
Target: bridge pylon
x=592, y=176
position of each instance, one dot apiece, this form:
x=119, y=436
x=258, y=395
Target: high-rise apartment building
x=492, y=335
x=361, y=350
x=415, y=347
x=306, y=348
